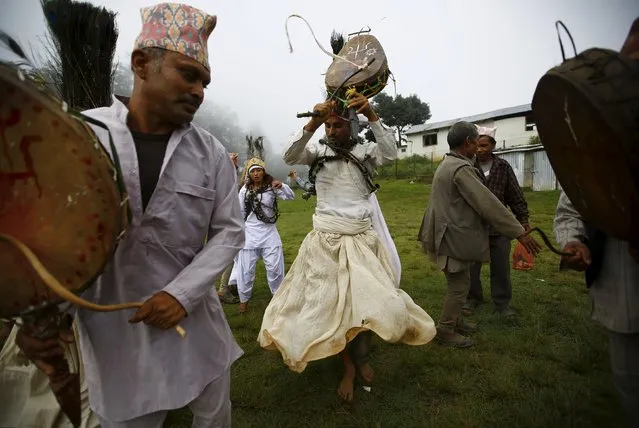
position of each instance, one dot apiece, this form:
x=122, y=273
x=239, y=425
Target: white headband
x=486, y=131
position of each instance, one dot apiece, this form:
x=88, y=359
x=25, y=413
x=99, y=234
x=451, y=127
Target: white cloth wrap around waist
x=341, y=283
x=340, y=225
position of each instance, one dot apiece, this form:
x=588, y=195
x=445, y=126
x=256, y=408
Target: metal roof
x=495, y=114
x=522, y=148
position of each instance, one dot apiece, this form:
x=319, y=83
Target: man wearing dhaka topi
x=186, y=228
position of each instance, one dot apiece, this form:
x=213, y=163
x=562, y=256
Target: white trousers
x=211, y=409
x=244, y=270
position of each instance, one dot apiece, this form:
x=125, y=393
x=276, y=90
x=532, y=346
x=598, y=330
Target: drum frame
x=614, y=119
x=123, y=219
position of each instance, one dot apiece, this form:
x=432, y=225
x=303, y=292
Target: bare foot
x=345, y=390
x=366, y=372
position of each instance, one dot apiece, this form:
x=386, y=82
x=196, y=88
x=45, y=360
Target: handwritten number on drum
x=356, y=51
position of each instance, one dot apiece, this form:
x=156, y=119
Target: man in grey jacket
x=454, y=230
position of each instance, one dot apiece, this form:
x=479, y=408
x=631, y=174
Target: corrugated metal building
x=515, y=127
x=531, y=166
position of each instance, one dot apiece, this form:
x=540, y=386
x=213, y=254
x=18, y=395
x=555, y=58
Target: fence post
x=399, y=142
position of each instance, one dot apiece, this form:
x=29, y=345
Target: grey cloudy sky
x=461, y=56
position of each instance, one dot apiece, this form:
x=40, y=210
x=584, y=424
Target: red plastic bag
x=522, y=259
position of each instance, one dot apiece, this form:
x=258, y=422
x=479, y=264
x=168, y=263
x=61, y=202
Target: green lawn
x=548, y=369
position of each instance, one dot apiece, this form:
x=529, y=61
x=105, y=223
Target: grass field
x=547, y=369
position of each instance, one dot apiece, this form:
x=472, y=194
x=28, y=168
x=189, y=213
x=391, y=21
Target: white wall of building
x=510, y=132
x=415, y=145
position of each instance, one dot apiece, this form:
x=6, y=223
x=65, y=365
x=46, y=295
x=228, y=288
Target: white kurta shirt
x=135, y=369
x=340, y=186
x=258, y=233
x=615, y=292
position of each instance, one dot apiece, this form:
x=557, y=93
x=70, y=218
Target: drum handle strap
x=331, y=54
x=561, y=45
x=114, y=153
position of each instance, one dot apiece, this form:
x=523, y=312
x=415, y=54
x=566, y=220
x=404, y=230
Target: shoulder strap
x=118, y=178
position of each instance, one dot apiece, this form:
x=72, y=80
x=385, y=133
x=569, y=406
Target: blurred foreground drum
x=587, y=115
x=61, y=197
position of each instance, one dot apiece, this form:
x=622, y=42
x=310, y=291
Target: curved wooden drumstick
x=548, y=243
x=63, y=292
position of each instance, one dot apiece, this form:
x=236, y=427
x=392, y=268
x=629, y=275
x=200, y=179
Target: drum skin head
x=359, y=50
x=586, y=126
x=58, y=195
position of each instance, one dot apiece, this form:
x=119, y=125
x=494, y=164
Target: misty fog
x=226, y=125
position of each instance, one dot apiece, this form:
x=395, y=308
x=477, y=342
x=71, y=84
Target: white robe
x=26, y=399
x=379, y=226
x=262, y=240
x=257, y=233
x=342, y=281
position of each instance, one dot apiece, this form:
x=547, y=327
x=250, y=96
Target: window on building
x=403, y=150
x=530, y=123
x=429, y=139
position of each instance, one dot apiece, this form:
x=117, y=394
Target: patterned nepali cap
x=177, y=27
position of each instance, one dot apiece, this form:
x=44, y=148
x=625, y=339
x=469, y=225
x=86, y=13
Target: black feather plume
x=337, y=42
x=81, y=53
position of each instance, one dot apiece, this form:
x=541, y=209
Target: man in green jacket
x=454, y=231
